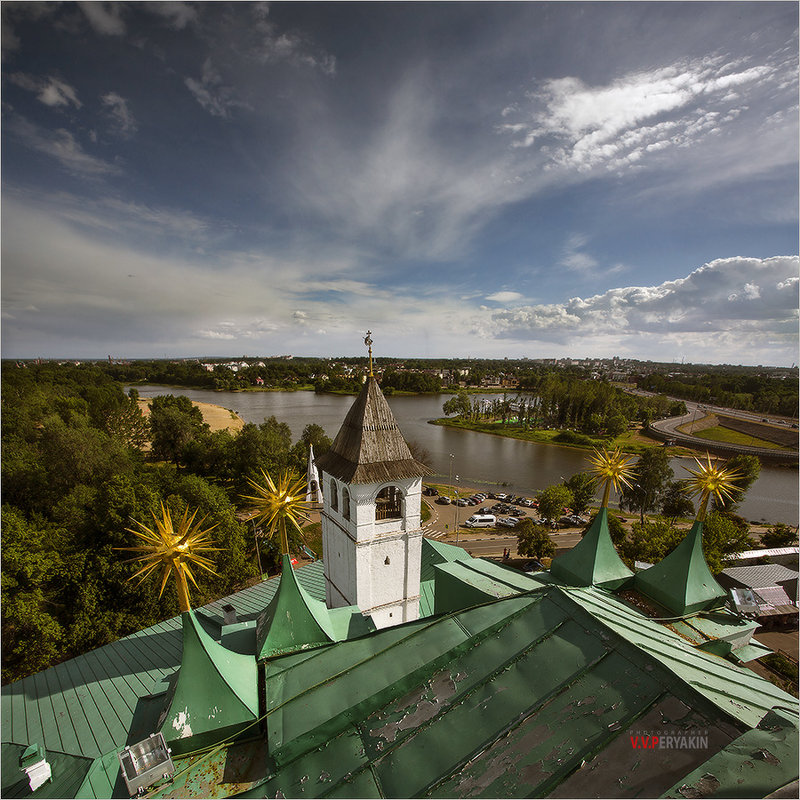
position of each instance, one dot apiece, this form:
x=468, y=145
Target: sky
x=483, y=180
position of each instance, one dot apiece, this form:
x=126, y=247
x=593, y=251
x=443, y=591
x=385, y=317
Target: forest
x=77, y=473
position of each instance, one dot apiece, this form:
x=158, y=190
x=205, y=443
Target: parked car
x=532, y=566
x=462, y=502
x=508, y=522
x=481, y=521
x=443, y=501
x=430, y=491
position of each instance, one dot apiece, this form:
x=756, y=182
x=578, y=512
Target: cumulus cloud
x=729, y=302
x=105, y=18
x=50, y=91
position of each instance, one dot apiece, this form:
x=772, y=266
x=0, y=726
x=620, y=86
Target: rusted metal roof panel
x=736, y=691
x=753, y=765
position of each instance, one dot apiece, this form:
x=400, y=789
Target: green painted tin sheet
x=682, y=582
x=594, y=560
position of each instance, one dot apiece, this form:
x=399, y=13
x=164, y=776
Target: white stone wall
x=374, y=564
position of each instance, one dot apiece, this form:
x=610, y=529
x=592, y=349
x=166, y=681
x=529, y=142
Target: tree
x=174, y=422
x=582, y=485
x=650, y=542
x=533, y=540
x=459, y=404
x=724, y=537
x=780, y=535
x=747, y=469
x=553, y=500
x=419, y=452
x=675, y=502
x=653, y=473
x=314, y=435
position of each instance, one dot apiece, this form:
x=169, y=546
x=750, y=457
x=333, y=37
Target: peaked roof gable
x=594, y=561
x=293, y=620
x=216, y=690
x=369, y=447
x=682, y=581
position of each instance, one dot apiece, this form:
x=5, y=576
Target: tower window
x=334, y=496
x=386, y=561
x=388, y=503
x=345, y=504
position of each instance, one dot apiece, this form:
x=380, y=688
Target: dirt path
x=217, y=417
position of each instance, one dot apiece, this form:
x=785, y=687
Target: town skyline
x=465, y=179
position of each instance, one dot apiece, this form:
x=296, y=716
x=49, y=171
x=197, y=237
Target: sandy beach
x=217, y=417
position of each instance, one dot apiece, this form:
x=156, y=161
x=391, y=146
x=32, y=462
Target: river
x=480, y=460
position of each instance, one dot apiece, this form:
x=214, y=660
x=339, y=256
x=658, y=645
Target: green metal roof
x=760, y=759
x=85, y=706
x=533, y=694
x=68, y=773
x=228, y=700
x=682, y=582
x=296, y=621
x=594, y=560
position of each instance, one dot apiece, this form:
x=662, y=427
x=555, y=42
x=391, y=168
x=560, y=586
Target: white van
x=481, y=521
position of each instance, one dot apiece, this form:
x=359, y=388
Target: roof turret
x=682, y=582
x=369, y=447
x=216, y=693
x=594, y=560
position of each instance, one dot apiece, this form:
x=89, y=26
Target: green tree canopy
x=653, y=473
x=174, y=423
x=582, y=485
x=553, y=500
x=533, y=541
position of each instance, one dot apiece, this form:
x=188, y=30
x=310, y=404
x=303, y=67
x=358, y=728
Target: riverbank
x=216, y=417
x=634, y=441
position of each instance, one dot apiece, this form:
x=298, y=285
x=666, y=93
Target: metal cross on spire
x=368, y=343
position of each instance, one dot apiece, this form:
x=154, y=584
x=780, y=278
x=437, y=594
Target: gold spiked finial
x=280, y=503
x=711, y=479
x=173, y=547
x=368, y=343
x=612, y=469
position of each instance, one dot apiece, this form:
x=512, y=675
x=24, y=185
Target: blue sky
x=476, y=179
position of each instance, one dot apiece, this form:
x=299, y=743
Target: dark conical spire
x=369, y=447
x=682, y=582
x=594, y=560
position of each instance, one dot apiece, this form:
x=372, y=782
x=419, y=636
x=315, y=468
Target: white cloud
x=732, y=305
x=504, y=297
x=179, y=15
x=618, y=125
x=50, y=91
x=62, y=146
x=215, y=97
x=118, y=109
x=105, y=18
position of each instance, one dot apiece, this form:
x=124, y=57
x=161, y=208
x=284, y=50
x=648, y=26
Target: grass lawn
x=313, y=537
x=720, y=434
x=632, y=441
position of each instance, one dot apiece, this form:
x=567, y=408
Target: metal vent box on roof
x=146, y=762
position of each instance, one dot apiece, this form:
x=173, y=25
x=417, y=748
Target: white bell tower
x=371, y=531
